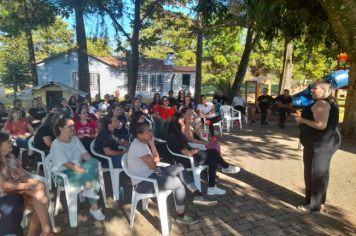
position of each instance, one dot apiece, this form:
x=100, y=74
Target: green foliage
x=222, y=54
x=53, y=39
x=14, y=67
x=100, y=46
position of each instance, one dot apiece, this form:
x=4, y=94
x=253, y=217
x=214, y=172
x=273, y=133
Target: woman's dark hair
x=80, y=108
x=159, y=100
x=106, y=120
x=79, y=111
x=163, y=99
x=201, y=97
x=136, y=116
x=179, y=99
x=113, y=108
x=190, y=103
x=70, y=100
x=60, y=104
x=51, y=107
x=2, y=105
x=50, y=120
x=184, y=111
x=137, y=128
x=175, y=127
x=60, y=124
x=4, y=137
x=111, y=102
x=35, y=99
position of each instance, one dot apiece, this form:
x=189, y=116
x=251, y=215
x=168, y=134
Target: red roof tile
x=185, y=68
x=144, y=64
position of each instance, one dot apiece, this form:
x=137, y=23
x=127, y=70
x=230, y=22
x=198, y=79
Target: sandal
x=305, y=208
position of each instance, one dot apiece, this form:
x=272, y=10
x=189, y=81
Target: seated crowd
x=68, y=130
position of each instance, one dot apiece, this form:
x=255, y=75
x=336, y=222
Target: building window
x=153, y=84
x=94, y=81
x=159, y=83
x=138, y=84
x=186, y=82
x=75, y=80
x=144, y=85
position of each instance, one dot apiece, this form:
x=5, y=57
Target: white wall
x=60, y=69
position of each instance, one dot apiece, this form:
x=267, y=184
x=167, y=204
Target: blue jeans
x=160, y=127
x=23, y=142
x=116, y=162
x=11, y=210
x=217, y=107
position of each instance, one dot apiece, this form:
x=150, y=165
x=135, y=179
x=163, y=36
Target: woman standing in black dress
x=321, y=139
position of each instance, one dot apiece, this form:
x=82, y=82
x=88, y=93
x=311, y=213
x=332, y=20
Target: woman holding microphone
x=321, y=139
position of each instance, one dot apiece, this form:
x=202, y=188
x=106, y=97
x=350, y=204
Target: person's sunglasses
x=165, y=100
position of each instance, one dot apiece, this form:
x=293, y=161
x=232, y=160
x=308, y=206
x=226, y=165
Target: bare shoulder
x=322, y=104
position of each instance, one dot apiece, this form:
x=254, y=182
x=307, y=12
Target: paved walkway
x=260, y=200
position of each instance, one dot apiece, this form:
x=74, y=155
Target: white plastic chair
x=24, y=222
x=206, y=129
x=229, y=114
x=195, y=169
x=151, y=123
x=72, y=192
x=43, y=156
x=114, y=172
x=246, y=111
x=160, y=195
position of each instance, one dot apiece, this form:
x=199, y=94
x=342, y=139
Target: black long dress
x=319, y=147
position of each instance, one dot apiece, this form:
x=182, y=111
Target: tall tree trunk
x=199, y=54
x=286, y=76
x=249, y=45
x=15, y=87
x=342, y=16
x=83, y=63
x=31, y=50
x=135, y=56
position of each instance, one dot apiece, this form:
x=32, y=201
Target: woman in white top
x=68, y=154
x=142, y=160
x=239, y=103
x=207, y=110
x=103, y=106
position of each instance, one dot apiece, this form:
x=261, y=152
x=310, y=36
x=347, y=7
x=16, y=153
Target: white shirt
x=103, y=106
x=239, y=101
x=64, y=152
x=135, y=164
x=92, y=110
x=206, y=109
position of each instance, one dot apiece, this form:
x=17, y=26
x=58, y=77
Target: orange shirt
x=19, y=128
x=164, y=113
x=11, y=171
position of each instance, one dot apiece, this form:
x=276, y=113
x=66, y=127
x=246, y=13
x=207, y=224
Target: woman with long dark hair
x=156, y=101
x=64, y=109
x=207, y=110
x=86, y=129
x=45, y=135
x=135, y=106
x=73, y=103
x=163, y=114
x=90, y=115
x=118, y=112
x=37, y=112
x=68, y=154
x=190, y=133
x=321, y=139
x=178, y=143
x=141, y=161
x=14, y=179
x=179, y=101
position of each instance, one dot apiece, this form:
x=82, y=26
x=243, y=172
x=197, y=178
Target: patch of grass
x=26, y=101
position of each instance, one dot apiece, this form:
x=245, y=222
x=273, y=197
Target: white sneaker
x=231, y=169
x=90, y=193
x=98, y=215
x=216, y=191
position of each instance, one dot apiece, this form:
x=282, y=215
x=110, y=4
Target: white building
x=109, y=74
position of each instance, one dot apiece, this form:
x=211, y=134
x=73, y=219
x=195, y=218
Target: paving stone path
x=260, y=200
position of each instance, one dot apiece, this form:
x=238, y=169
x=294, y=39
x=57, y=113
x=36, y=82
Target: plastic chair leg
x=20, y=157
x=57, y=200
x=49, y=178
x=162, y=207
x=197, y=180
x=81, y=198
x=50, y=212
x=144, y=204
x=133, y=207
x=24, y=222
x=240, y=124
x=116, y=184
x=102, y=185
x=38, y=168
x=72, y=201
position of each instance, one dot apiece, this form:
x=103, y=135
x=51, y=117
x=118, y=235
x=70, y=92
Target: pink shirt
x=85, y=129
x=19, y=128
